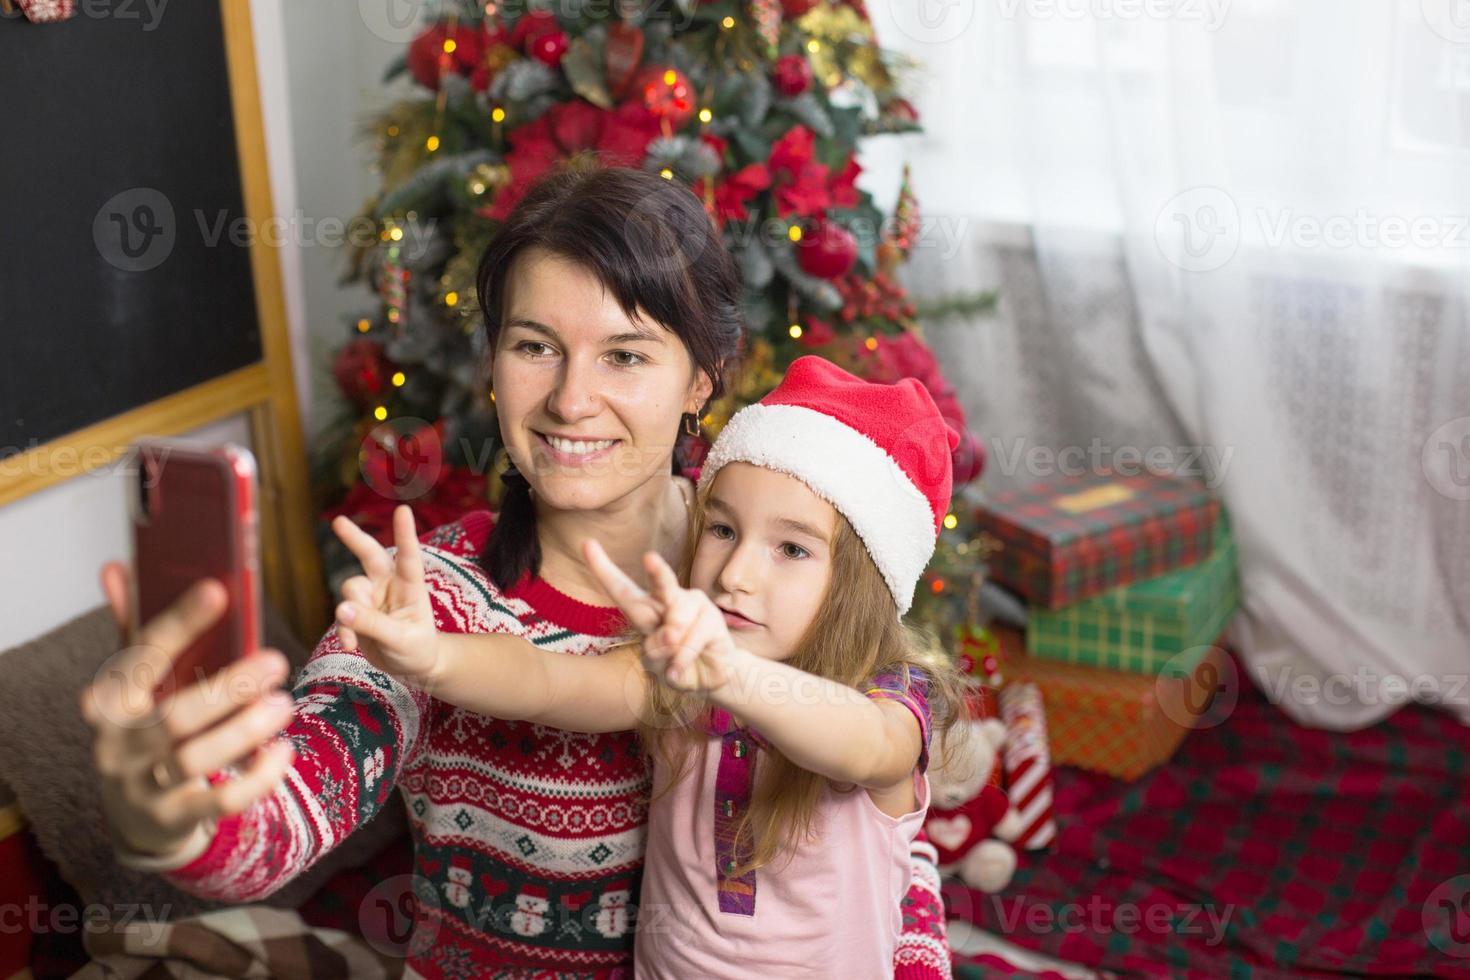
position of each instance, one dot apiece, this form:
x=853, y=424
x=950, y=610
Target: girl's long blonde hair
x=855, y=635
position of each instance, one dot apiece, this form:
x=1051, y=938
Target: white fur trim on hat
x=849, y=471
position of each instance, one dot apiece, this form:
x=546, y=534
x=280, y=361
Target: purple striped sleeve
x=912, y=694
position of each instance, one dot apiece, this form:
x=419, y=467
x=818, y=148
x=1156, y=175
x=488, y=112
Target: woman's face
x=589, y=401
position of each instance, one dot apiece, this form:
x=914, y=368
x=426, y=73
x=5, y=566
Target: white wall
x=333, y=57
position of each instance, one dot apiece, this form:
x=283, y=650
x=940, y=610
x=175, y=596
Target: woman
x=612, y=318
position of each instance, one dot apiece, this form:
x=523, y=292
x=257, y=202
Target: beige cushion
x=46, y=762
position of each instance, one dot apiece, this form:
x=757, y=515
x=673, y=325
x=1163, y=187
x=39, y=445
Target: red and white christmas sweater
x=528, y=840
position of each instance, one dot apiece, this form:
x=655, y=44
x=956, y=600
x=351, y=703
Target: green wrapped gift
x=1141, y=626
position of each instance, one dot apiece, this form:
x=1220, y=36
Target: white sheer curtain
x=1231, y=239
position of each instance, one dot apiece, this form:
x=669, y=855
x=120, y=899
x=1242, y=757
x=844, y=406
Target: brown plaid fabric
x=245, y=941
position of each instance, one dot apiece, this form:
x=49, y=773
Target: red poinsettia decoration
x=803, y=185
x=843, y=187
x=736, y=190
x=458, y=491
x=361, y=371
x=816, y=333
x=620, y=137
x=408, y=467
x=800, y=181
x=427, y=60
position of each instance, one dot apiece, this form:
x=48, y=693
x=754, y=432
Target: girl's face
x=765, y=556
x=589, y=401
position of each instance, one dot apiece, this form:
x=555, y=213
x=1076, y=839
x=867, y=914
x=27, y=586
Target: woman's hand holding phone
x=154, y=757
x=386, y=613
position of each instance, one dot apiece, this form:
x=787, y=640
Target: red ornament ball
x=827, y=250
x=401, y=459
x=901, y=109
x=531, y=26
x=667, y=93
x=793, y=75
x=968, y=458
x=548, y=48
x=796, y=8
x=361, y=369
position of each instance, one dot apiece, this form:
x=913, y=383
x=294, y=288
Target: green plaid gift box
x=1071, y=537
x=1142, y=626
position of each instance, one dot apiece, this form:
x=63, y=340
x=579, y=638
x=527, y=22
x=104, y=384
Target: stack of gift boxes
x=1129, y=582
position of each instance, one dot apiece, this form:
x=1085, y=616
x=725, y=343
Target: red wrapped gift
x=1113, y=721
x=1071, y=537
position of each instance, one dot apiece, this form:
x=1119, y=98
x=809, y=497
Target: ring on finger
x=162, y=774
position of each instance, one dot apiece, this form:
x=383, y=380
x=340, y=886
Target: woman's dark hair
x=653, y=246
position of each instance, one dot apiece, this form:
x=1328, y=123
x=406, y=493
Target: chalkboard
x=136, y=298
x=125, y=272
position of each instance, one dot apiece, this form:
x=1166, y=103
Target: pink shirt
x=833, y=910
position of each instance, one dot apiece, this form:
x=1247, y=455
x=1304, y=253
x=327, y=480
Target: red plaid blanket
x=1262, y=849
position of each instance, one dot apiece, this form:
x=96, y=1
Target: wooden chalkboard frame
x=265, y=391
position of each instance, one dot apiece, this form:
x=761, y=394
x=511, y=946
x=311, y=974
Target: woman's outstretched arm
x=388, y=614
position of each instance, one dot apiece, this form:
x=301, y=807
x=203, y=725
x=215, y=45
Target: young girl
x=786, y=706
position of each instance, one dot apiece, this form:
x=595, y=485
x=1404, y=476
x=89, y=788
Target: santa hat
x=879, y=454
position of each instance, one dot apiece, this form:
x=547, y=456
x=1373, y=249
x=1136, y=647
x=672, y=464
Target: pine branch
x=961, y=306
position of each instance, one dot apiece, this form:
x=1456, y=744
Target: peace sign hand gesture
x=687, y=644
x=386, y=612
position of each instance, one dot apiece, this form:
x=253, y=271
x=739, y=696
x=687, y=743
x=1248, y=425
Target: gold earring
x=691, y=418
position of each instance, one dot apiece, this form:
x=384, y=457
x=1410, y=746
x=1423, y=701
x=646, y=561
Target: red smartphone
x=193, y=511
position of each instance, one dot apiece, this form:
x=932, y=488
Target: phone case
x=194, y=516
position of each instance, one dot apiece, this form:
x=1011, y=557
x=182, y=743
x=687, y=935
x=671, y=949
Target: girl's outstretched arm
x=507, y=677
x=822, y=726
x=387, y=615
x=825, y=727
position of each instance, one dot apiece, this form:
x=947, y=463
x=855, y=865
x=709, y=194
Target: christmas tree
x=758, y=105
